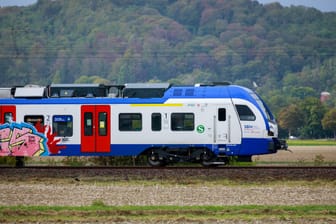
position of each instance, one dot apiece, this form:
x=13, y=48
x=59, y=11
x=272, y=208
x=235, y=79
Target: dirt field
x=69, y=191
x=79, y=194
x=302, y=154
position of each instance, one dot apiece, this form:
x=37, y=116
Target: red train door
x=7, y=114
x=95, y=128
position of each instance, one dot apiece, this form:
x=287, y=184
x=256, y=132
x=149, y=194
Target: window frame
x=133, y=117
x=33, y=117
x=156, y=125
x=243, y=115
x=88, y=127
x=8, y=117
x=178, y=121
x=103, y=124
x=65, y=117
x=221, y=113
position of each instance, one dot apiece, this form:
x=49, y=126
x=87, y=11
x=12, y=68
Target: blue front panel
x=255, y=146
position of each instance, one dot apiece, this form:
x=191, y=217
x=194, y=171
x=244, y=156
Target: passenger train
x=202, y=123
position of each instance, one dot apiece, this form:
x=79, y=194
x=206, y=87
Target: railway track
x=250, y=173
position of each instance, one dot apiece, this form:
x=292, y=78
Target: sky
x=322, y=5
x=16, y=2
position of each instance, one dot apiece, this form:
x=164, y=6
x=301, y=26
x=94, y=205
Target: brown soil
x=228, y=186
x=301, y=154
x=203, y=187
x=79, y=194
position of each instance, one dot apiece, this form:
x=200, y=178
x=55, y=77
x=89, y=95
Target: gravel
x=58, y=187
x=82, y=194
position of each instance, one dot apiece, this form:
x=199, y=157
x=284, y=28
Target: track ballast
x=257, y=173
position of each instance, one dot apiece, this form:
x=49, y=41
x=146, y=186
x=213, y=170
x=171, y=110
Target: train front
x=271, y=124
x=259, y=129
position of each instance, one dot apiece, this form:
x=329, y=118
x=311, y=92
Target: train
x=202, y=123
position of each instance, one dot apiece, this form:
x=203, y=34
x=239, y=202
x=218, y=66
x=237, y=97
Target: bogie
x=163, y=156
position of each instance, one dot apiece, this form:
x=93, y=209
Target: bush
x=7, y=160
x=119, y=161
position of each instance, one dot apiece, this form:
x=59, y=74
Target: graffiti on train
x=21, y=139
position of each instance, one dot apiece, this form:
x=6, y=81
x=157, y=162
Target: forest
x=286, y=54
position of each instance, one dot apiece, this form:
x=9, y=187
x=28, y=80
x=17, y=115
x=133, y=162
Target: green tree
x=313, y=111
x=291, y=118
x=329, y=121
x=280, y=48
x=196, y=76
x=92, y=79
x=57, y=77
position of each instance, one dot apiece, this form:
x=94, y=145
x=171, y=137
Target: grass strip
x=311, y=142
x=99, y=212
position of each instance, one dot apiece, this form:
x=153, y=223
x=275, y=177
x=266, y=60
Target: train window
x=34, y=119
x=62, y=125
x=8, y=117
x=156, y=122
x=221, y=114
x=182, y=121
x=102, y=123
x=130, y=122
x=245, y=113
x=88, y=124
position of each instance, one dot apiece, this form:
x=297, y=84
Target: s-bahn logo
x=200, y=129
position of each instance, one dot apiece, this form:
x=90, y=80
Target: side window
x=245, y=113
x=88, y=124
x=34, y=119
x=102, y=123
x=130, y=122
x=156, y=122
x=62, y=125
x=221, y=114
x=8, y=117
x=182, y=121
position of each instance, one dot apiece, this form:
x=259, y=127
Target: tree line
x=287, y=54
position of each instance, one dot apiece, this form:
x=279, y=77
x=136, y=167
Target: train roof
x=157, y=93
x=216, y=91
x=5, y=92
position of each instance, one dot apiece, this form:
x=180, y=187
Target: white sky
x=16, y=2
x=323, y=5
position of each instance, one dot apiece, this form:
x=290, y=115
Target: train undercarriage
x=162, y=156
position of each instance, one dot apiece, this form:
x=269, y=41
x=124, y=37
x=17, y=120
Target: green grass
x=311, y=142
x=208, y=182
x=99, y=212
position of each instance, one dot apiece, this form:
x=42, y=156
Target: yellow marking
x=157, y=105
x=41, y=149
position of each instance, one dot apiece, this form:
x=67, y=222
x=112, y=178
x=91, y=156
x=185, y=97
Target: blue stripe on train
x=249, y=147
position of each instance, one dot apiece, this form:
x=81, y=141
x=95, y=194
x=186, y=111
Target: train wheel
x=19, y=161
x=154, y=161
x=207, y=159
x=245, y=159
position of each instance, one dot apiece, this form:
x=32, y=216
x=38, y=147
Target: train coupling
x=283, y=144
x=280, y=144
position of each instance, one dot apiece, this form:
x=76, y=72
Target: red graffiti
x=53, y=148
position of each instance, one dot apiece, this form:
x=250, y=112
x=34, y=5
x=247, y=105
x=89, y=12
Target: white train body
x=190, y=123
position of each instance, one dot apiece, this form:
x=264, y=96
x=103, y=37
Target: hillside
x=286, y=51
